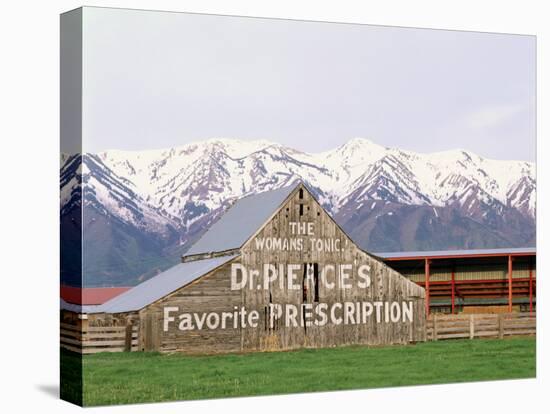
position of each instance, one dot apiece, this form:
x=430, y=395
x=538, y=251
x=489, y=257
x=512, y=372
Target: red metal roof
x=456, y=254
x=90, y=296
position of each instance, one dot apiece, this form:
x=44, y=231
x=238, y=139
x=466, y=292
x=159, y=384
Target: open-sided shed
x=474, y=281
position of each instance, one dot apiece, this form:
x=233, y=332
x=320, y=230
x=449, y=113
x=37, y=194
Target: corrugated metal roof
x=446, y=253
x=77, y=308
x=240, y=222
x=159, y=286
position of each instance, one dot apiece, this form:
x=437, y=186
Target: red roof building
x=488, y=280
x=90, y=296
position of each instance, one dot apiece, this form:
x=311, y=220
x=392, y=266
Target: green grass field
x=120, y=378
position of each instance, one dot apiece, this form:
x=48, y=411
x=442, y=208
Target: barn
x=275, y=272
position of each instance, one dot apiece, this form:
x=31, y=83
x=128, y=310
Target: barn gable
x=322, y=239
x=238, y=223
x=300, y=207
x=250, y=215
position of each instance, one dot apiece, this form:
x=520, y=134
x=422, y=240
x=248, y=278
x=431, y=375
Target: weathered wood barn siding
x=212, y=293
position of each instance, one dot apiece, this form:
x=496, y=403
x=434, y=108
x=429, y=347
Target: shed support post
x=427, y=284
x=510, y=283
x=530, y=288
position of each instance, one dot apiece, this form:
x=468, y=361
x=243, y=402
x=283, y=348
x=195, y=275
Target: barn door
x=152, y=332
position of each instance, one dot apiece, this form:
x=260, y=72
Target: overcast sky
x=157, y=80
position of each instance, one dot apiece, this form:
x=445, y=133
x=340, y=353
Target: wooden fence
x=93, y=339
x=479, y=326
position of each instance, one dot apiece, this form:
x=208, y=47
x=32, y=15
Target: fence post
x=472, y=326
x=500, y=326
x=435, y=326
x=84, y=333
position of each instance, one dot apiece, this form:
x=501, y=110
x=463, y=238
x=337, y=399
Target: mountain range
x=142, y=209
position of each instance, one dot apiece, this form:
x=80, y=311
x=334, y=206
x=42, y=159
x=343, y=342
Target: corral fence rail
x=485, y=325
x=93, y=339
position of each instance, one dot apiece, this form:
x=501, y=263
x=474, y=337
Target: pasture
x=136, y=377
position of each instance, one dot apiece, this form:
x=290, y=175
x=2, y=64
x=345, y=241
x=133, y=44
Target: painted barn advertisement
x=298, y=281
x=225, y=231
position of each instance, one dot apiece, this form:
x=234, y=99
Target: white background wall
x=29, y=84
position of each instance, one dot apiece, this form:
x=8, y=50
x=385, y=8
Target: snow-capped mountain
x=210, y=172
x=183, y=189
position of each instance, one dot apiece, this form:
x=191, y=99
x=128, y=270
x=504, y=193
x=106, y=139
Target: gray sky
x=157, y=79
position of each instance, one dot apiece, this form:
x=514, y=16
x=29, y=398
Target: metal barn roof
x=455, y=253
x=72, y=307
x=240, y=222
x=159, y=286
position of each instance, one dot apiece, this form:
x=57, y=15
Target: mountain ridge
x=172, y=195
